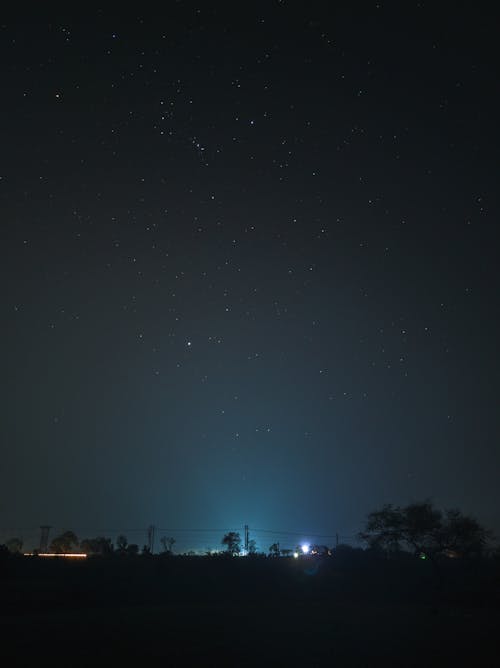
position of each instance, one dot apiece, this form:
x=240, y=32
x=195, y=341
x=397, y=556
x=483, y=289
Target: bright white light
x=305, y=548
x=295, y=555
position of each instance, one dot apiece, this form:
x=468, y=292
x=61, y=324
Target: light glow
x=305, y=548
x=65, y=555
x=295, y=555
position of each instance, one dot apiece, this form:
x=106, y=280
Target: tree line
x=67, y=542
x=419, y=529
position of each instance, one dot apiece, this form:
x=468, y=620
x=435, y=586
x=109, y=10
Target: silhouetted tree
x=65, y=542
x=274, y=550
x=133, y=549
x=286, y=552
x=99, y=545
x=121, y=543
x=232, y=541
x=463, y=535
x=167, y=543
x=425, y=530
x=252, y=547
x=14, y=545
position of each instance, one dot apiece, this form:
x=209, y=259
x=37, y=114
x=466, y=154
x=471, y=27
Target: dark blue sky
x=250, y=265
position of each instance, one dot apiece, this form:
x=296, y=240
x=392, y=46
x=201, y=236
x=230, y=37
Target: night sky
x=249, y=265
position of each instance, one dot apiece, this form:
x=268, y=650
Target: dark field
x=185, y=611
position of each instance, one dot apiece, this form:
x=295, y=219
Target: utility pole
x=151, y=538
x=336, y=540
x=44, y=537
x=247, y=532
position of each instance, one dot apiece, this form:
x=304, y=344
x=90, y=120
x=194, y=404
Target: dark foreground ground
x=182, y=611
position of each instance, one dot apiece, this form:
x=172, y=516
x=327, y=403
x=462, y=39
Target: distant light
x=305, y=548
x=65, y=555
x=295, y=555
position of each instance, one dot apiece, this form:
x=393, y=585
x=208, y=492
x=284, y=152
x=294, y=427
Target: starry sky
x=249, y=264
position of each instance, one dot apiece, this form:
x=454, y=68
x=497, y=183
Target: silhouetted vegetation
x=167, y=542
x=99, y=545
x=14, y=545
x=426, y=532
x=274, y=550
x=252, y=547
x=303, y=610
x=121, y=543
x=65, y=542
x=232, y=542
x=385, y=591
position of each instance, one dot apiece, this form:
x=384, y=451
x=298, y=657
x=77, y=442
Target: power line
x=187, y=534
x=180, y=530
x=295, y=533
